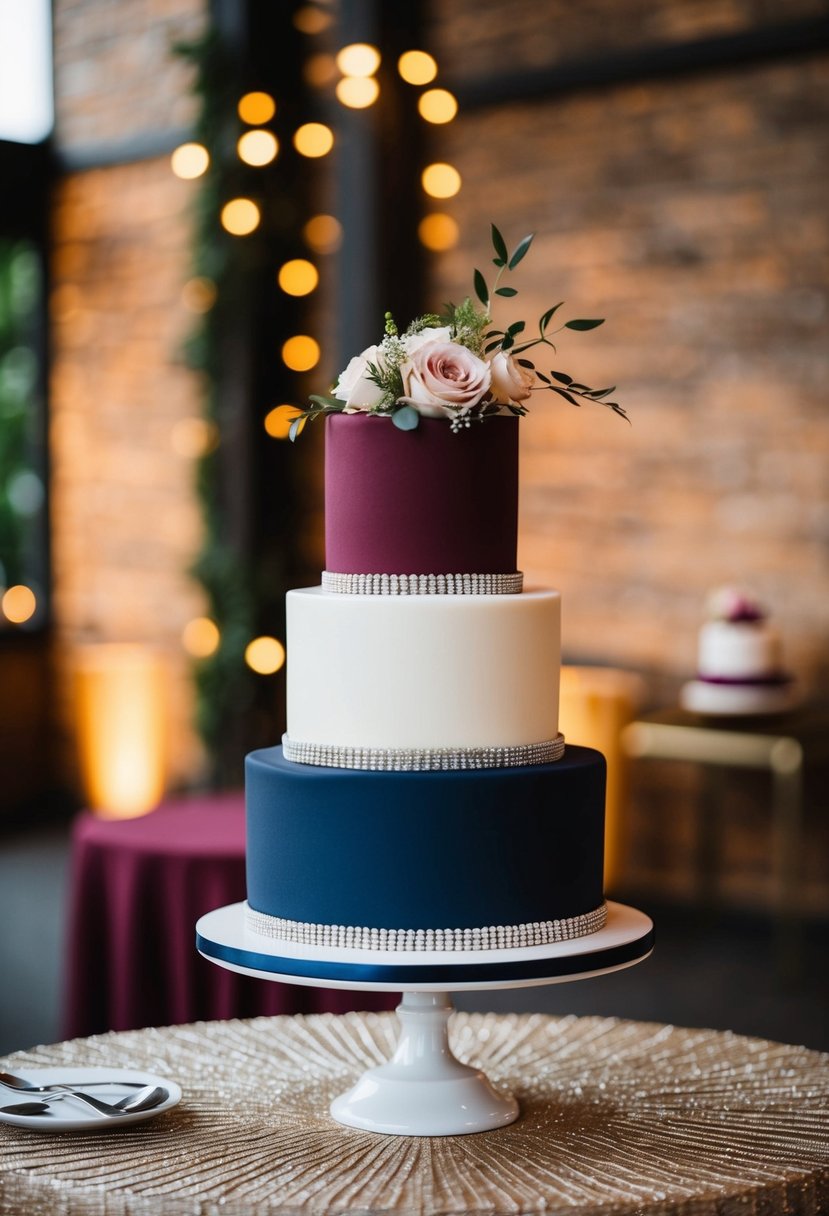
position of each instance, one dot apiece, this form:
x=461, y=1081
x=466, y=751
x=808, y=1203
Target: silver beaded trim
x=422, y=759
x=423, y=584
x=490, y=937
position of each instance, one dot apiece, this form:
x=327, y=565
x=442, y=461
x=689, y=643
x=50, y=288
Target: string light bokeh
x=350, y=76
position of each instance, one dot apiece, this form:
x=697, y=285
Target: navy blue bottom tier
x=426, y=850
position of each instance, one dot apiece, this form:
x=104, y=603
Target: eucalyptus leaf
x=406, y=418
x=562, y=377
x=527, y=363
x=505, y=291
x=584, y=324
x=541, y=376
x=296, y=427
x=548, y=316
x=481, y=289
x=517, y=327
x=492, y=346
x=507, y=342
x=499, y=245
x=521, y=250
x=327, y=403
x=567, y=397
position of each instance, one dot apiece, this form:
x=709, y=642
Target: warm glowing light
x=256, y=108
x=596, y=705
x=437, y=105
x=194, y=437
x=319, y=70
x=357, y=92
x=438, y=231
x=301, y=353
x=265, y=655
x=257, y=147
x=198, y=295
x=313, y=139
x=278, y=420
x=358, y=59
x=323, y=233
x=19, y=604
x=311, y=20
x=200, y=637
x=441, y=180
x=416, y=67
x=121, y=728
x=190, y=160
x=298, y=277
x=240, y=216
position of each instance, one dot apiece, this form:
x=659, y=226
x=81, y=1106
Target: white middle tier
x=423, y=671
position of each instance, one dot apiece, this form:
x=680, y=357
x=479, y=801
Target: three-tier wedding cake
x=422, y=798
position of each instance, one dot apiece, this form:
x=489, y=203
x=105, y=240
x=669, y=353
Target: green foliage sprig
x=470, y=325
x=505, y=340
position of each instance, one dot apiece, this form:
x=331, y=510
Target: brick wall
x=691, y=213
x=125, y=524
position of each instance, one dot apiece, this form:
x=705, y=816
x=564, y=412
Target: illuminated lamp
x=596, y=704
x=121, y=722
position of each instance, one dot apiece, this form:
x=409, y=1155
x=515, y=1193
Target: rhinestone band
x=422, y=759
x=423, y=584
x=489, y=937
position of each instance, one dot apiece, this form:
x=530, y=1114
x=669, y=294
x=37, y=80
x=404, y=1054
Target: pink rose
x=510, y=381
x=442, y=379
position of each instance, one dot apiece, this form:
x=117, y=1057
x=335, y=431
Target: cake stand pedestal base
x=424, y=1090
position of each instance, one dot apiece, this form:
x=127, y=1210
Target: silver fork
x=148, y=1097
x=11, y=1081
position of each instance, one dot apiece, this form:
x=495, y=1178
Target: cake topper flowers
x=457, y=364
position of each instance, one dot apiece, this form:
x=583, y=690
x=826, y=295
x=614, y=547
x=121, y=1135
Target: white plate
x=69, y=1115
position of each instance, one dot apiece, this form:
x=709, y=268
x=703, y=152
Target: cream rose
x=354, y=386
x=443, y=379
x=429, y=333
x=510, y=381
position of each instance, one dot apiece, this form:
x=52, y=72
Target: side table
x=137, y=888
x=781, y=745
x=621, y=1117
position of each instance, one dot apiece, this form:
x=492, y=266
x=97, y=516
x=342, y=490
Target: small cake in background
x=739, y=663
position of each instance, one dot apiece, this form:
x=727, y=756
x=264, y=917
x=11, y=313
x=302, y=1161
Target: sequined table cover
x=617, y=1117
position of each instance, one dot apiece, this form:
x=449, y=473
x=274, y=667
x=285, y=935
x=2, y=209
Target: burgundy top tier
x=426, y=501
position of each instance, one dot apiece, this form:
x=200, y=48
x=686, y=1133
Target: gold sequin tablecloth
x=617, y=1117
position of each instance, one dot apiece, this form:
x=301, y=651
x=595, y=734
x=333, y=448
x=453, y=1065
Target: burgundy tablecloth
x=137, y=888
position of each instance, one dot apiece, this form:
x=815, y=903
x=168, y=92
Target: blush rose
x=443, y=379
x=510, y=381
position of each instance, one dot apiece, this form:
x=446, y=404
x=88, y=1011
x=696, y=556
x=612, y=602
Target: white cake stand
x=424, y=1090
